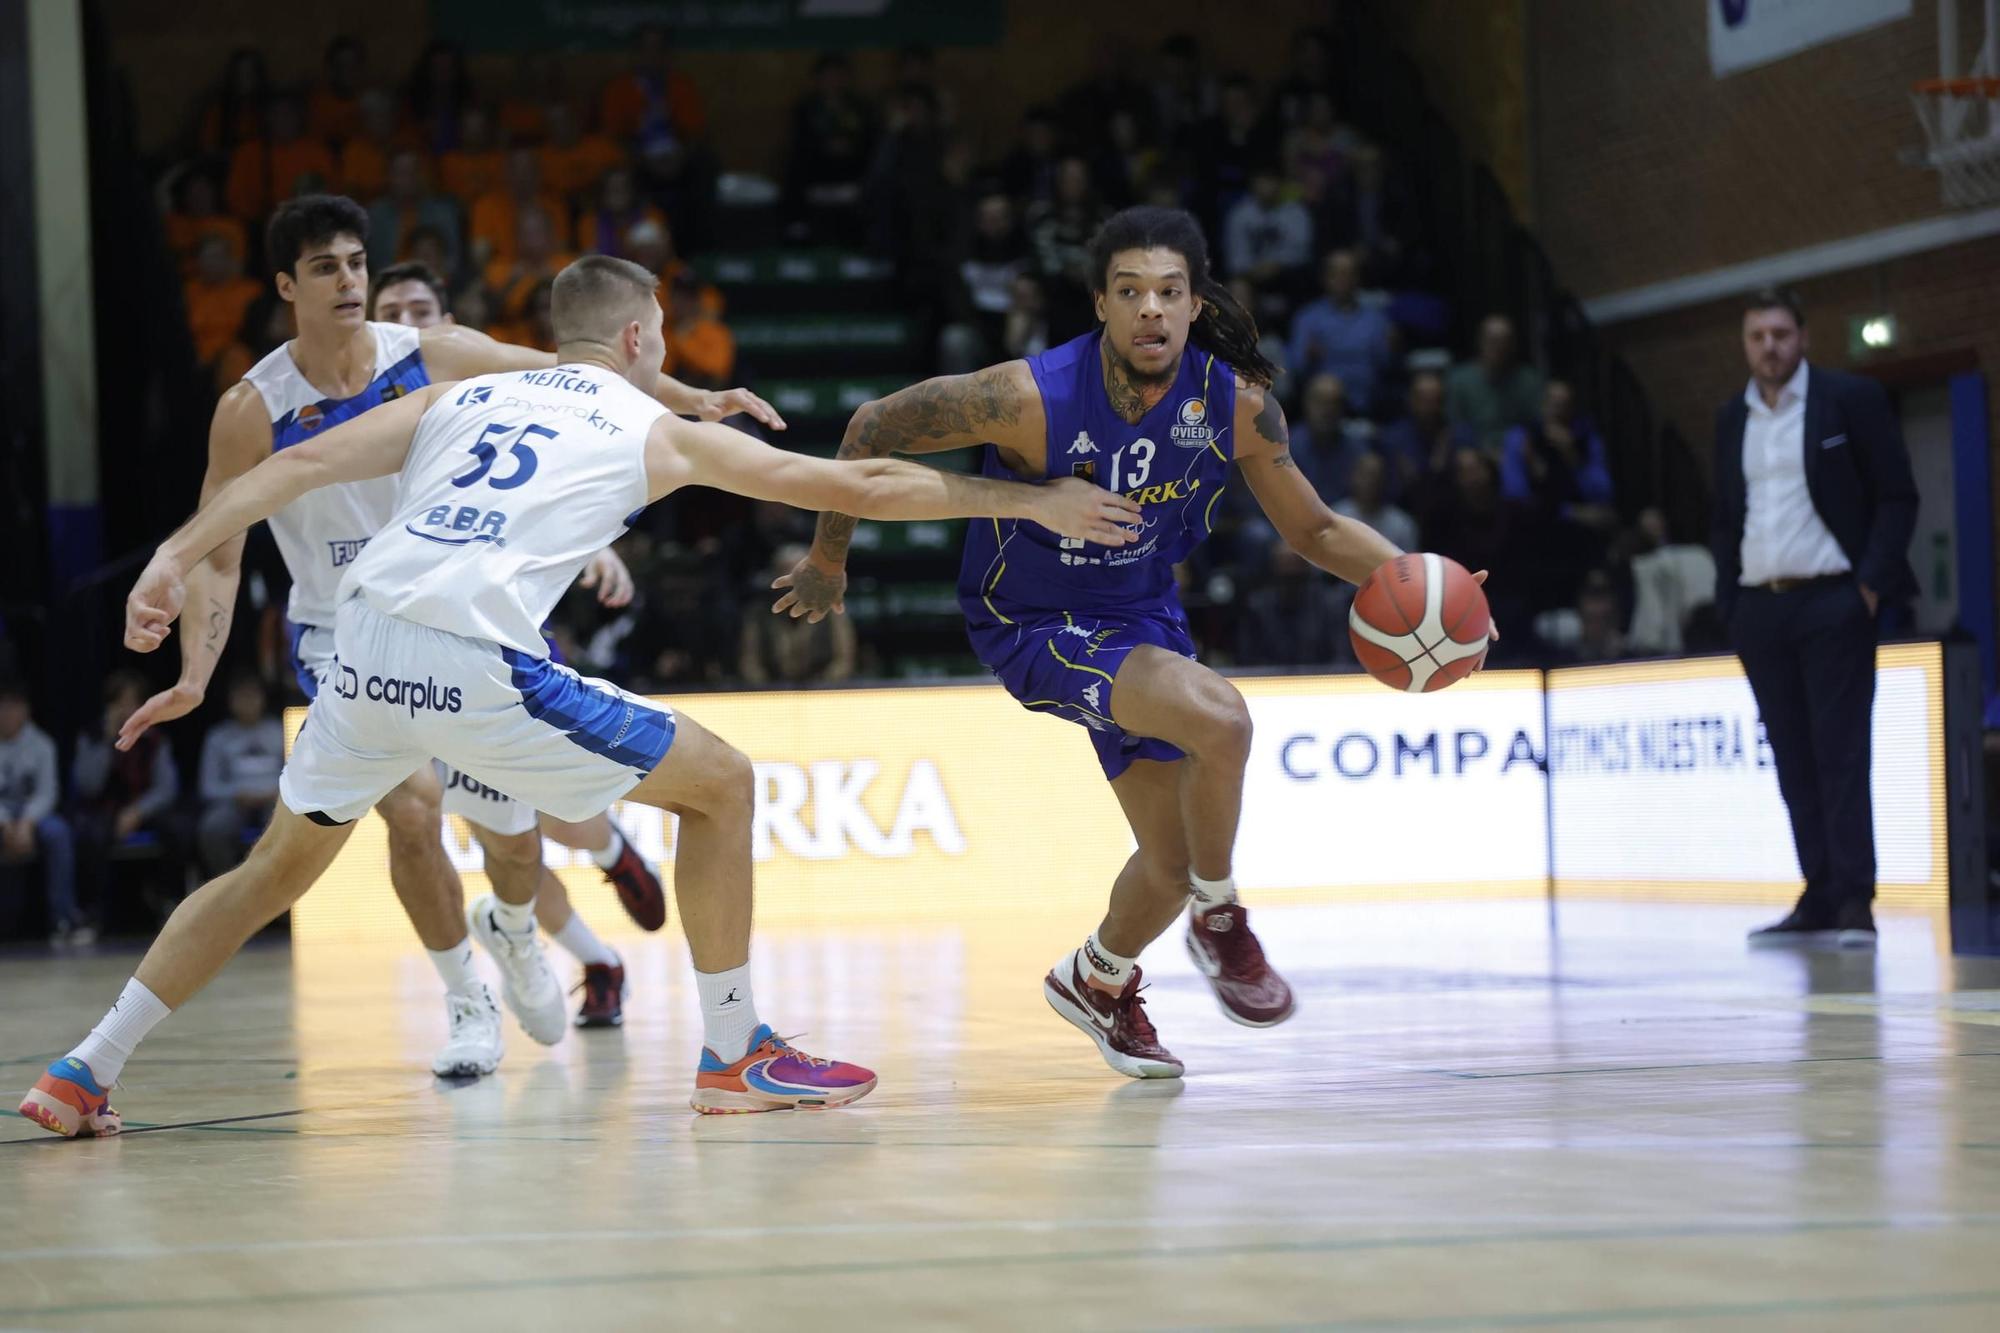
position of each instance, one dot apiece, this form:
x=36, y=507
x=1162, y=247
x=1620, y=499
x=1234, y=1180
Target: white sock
x=514, y=918
x=582, y=943
x=123, y=1027
x=1093, y=960
x=607, y=855
x=728, y=1013
x=454, y=967
x=1211, y=893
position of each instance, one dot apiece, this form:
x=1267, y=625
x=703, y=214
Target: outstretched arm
x=998, y=405
x=454, y=352
x=685, y=453
x=373, y=444
x=1341, y=546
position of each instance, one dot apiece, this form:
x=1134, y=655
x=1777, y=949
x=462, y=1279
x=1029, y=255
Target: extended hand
x=176, y=701
x=1492, y=630
x=812, y=589
x=609, y=576
x=1073, y=507
x=719, y=403
x=153, y=604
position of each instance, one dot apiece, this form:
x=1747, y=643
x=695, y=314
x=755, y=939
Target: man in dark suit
x=1814, y=507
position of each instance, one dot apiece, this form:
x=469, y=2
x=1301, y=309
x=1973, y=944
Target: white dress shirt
x=1783, y=535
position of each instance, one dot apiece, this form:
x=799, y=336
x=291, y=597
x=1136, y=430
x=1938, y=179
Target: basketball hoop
x=1962, y=137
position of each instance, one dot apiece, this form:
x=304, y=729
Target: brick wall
x=1690, y=360
x=1648, y=167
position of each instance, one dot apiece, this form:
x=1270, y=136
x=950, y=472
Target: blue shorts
x=1068, y=663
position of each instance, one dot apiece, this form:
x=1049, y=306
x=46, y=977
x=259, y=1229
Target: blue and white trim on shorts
x=605, y=722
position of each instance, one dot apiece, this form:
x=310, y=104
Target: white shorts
x=464, y=795
x=395, y=695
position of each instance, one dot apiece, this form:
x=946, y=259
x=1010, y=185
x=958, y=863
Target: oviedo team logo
x=310, y=417
x=1191, y=429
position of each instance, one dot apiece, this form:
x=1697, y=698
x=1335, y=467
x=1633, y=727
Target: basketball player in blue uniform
x=506, y=485
x=1156, y=404
x=339, y=366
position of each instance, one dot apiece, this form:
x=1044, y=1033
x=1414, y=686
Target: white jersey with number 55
x=512, y=483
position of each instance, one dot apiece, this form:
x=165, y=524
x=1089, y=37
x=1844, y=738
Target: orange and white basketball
x=1419, y=623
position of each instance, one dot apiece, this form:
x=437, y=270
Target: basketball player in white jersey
x=508, y=484
x=338, y=367
x=413, y=296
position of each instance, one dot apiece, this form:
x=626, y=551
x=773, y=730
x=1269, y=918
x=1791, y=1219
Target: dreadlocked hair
x=1224, y=327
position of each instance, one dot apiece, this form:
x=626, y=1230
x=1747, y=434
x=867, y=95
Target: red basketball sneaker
x=1117, y=1023
x=603, y=988
x=638, y=885
x=1249, y=991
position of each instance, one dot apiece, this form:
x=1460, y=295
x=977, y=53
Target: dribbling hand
x=1075, y=508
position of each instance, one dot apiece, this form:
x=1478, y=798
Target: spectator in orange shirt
x=496, y=214
x=217, y=297
x=536, y=257
x=333, y=112
x=235, y=111
x=655, y=105
x=606, y=228
x=438, y=94
x=197, y=215
x=573, y=161
x=264, y=171
x=364, y=158
x=700, y=348
x=408, y=205
x=476, y=166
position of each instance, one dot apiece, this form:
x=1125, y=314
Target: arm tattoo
x=218, y=627
x=1270, y=423
x=1284, y=460
x=900, y=423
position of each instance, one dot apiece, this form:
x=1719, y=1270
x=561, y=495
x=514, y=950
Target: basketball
x=1419, y=623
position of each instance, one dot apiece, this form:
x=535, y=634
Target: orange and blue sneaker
x=67, y=1101
x=774, y=1076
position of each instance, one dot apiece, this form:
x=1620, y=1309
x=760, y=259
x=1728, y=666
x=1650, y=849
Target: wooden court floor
x=1484, y=1116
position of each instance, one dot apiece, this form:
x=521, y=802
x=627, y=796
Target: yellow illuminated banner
x=943, y=803
x=938, y=803
x=1662, y=787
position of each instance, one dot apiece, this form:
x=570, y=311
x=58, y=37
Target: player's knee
x=736, y=780
x=519, y=852
x=1226, y=729
x=410, y=813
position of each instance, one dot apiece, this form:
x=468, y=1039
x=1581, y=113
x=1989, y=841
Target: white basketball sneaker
x=526, y=983
x=472, y=1046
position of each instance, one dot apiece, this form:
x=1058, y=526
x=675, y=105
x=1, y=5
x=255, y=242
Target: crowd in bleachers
x=1481, y=455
